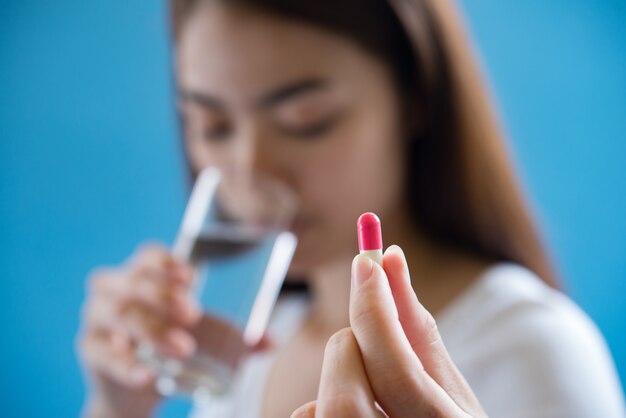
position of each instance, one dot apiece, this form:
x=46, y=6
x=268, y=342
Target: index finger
x=157, y=257
x=421, y=330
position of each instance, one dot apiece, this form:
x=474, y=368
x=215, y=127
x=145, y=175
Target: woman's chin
x=313, y=252
x=299, y=269
x=304, y=262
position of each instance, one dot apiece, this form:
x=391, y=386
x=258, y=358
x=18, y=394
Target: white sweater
x=526, y=350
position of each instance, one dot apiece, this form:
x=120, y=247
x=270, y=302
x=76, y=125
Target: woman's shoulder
x=510, y=333
x=510, y=298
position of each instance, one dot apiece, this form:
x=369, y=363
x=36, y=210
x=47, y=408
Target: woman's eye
x=311, y=130
x=216, y=133
x=205, y=126
x=310, y=116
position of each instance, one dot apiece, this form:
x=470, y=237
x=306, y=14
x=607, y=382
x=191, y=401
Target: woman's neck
x=330, y=296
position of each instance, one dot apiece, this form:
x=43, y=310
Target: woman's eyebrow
x=290, y=91
x=202, y=99
x=273, y=98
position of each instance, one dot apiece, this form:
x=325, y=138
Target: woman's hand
x=392, y=358
x=146, y=300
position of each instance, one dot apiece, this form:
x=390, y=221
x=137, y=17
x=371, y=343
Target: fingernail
x=362, y=268
x=396, y=249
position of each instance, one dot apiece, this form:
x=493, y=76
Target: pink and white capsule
x=370, y=237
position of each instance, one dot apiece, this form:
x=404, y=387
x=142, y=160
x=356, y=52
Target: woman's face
x=264, y=95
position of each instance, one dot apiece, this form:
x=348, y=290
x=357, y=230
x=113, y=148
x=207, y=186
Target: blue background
x=90, y=165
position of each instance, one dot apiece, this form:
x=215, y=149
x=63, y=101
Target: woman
x=360, y=105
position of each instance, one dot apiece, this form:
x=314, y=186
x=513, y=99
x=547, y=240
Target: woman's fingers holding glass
x=138, y=323
x=144, y=326
x=113, y=356
x=144, y=305
x=163, y=294
x=153, y=256
x=157, y=279
x=146, y=300
x=159, y=288
x=116, y=290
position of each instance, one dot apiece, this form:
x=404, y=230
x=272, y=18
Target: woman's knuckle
x=165, y=298
x=145, y=326
x=151, y=253
x=430, y=326
x=129, y=313
x=146, y=287
x=162, y=297
x=430, y=410
x=97, y=279
x=402, y=386
x=369, y=311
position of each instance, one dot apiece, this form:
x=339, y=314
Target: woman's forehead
x=232, y=49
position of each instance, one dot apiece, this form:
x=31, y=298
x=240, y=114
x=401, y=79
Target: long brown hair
x=460, y=182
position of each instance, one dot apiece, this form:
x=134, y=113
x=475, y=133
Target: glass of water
x=236, y=237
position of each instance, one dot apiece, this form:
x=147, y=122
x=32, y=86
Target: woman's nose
x=255, y=156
